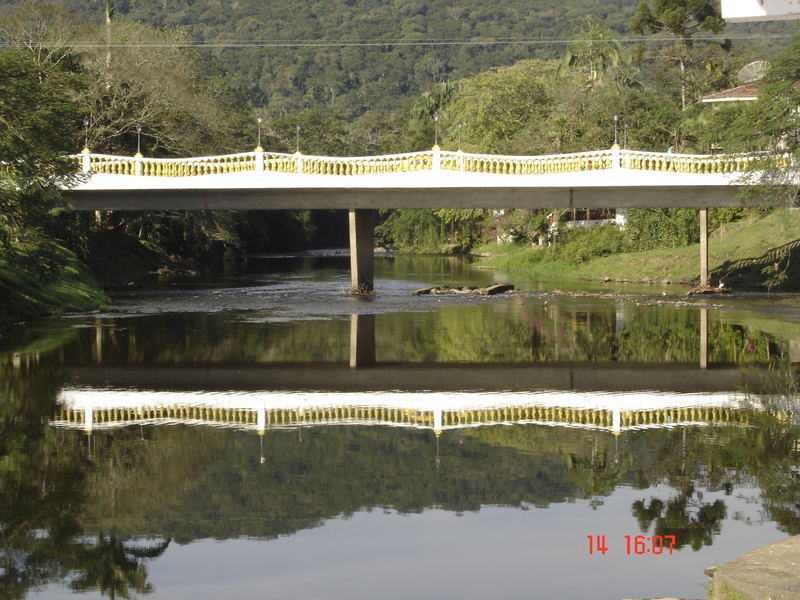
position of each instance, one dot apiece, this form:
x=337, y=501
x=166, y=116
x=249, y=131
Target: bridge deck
x=434, y=179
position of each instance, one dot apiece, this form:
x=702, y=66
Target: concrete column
x=362, y=247
x=703, y=247
x=137, y=164
x=703, y=338
x=362, y=341
x=259, y=159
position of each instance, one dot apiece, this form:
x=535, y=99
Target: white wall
x=760, y=10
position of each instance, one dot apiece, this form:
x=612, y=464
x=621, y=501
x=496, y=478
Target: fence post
x=299, y=162
x=436, y=152
x=137, y=163
x=259, y=158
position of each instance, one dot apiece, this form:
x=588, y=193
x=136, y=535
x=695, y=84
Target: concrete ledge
x=769, y=573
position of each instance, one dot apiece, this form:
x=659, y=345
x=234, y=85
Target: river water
x=262, y=434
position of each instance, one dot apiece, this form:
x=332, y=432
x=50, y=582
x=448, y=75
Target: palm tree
x=594, y=49
x=116, y=568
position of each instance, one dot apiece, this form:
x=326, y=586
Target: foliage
x=406, y=229
x=683, y=19
x=594, y=49
x=649, y=228
x=578, y=244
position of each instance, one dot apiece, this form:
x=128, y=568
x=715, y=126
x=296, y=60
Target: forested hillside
x=291, y=55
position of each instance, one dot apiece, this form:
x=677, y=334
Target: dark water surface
x=261, y=434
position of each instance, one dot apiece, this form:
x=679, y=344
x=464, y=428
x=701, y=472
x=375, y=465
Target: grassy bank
x=754, y=254
x=24, y=296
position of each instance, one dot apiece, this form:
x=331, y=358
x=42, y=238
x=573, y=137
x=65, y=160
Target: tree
x=771, y=124
x=683, y=19
x=594, y=49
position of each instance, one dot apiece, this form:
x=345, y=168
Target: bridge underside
x=377, y=198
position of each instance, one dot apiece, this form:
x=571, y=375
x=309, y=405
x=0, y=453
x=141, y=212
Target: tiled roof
x=743, y=93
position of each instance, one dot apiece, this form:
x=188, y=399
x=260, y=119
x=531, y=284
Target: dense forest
x=88, y=73
x=355, y=56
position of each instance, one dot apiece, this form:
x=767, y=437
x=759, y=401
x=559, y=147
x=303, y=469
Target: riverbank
x=768, y=572
x=114, y=261
x=25, y=296
x=756, y=254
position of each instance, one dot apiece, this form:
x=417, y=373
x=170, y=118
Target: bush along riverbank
x=26, y=293
x=758, y=253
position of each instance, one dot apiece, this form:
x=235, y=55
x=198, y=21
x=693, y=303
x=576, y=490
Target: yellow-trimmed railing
x=435, y=159
x=366, y=165
x=527, y=165
x=693, y=163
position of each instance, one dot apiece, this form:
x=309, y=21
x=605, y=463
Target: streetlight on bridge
x=260, y=120
x=616, y=126
x=436, y=129
x=297, y=139
x=460, y=127
x=86, y=133
x=138, y=139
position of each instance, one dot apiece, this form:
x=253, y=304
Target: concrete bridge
x=259, y=180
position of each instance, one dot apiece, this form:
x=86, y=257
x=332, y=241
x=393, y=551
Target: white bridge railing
x=275, y=162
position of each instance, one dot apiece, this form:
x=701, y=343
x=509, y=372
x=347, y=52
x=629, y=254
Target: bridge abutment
x=362, y=250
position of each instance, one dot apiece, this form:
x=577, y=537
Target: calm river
x=262, y=435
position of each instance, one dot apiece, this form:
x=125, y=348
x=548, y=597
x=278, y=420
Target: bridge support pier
x=703, y=247
x=362, y=248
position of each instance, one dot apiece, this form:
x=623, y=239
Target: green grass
x=24, y=296
x=747, y=255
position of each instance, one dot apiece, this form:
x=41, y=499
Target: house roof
x=743, y=93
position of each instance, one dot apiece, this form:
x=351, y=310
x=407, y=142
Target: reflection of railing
x=101, y=417
x=692, y=414
x=89, y=409
x=433, y=160
x=542, y=414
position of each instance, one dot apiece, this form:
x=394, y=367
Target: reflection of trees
x=511, y=331
x=43, y=474
x=685, y=516
x=115, y=568
x=598, y=470
x=40, y=483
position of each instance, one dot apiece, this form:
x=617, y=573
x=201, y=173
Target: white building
x=760, y=10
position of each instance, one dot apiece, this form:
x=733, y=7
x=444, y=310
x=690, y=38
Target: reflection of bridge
x=434, y=179
x=92, y=408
